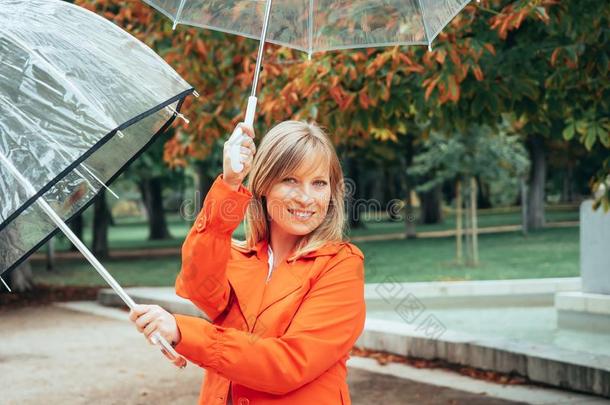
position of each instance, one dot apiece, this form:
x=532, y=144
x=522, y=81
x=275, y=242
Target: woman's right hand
x=248, y=149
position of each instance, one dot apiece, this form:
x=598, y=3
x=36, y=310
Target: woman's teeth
x=301, y=214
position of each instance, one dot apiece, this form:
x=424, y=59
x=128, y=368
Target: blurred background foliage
x=511, y=102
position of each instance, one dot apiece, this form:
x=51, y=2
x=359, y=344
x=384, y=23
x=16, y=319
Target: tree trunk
x=77, y=226
x=468, y=220
x=409, y=215
x=458, y=222
x=535, y=214
x=431, y=208
x=152, y=194
x=51, y=254
x=203, y=182
x=524, y=208
x=473, y=222
x=407, y=184
x=483, y=195
x=567, y=193
x=22, y=278
x=353, y=205
x=101, y=220
x=394, y=187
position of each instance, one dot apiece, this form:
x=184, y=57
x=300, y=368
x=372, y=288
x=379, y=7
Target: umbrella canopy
x=320, y=25
x=313, y=26
x=79, y=100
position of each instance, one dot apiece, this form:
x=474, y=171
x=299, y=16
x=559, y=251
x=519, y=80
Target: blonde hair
x=280, y=154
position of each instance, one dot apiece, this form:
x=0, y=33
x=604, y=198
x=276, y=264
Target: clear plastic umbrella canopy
x=320, y=25
x=79, y=99
x=312, y=26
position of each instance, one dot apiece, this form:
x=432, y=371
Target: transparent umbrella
x=314, y=25
x=79, y=100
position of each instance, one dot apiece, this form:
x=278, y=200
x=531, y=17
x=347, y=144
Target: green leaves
x=569, y=131
x=589, y=131
x=490, y=155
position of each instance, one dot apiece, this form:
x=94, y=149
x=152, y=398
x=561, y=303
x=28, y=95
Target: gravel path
x=51, y=355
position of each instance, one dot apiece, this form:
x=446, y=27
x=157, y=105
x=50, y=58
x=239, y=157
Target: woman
x=286, y=304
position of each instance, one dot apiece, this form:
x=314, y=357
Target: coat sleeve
x=207, y=248
x=324, y=329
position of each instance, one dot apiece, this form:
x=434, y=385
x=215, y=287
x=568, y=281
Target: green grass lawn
x=156, y=272
x=485, y=219
x=546, y=253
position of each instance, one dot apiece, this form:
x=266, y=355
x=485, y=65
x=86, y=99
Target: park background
x=500, y=131
x=465, y=162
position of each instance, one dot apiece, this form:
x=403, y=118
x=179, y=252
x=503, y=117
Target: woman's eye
x=289, y=180
x=321, y=183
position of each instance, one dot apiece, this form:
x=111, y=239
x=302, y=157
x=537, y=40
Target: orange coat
x=285, y=341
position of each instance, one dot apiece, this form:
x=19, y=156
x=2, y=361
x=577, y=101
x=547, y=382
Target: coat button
x=201, y=224
x=243, y=401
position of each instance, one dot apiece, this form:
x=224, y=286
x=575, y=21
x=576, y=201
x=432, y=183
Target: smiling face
x=298, y=202
x=297, y=191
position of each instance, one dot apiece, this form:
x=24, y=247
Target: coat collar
x=254, y=295
x=329, y=249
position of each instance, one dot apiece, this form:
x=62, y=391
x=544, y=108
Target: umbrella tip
x=174, y=25
x=179, y=115
x=6, y=285
x=186, y=120
x=429, y=47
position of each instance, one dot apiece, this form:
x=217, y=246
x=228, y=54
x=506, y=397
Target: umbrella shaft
x=68, y=232
x=86, y=252
x=261, y=48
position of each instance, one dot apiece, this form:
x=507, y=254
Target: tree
x=527, y=57
x=480, y=153
x=22, y=278
x=77, y=226
x=547, y=64
x=101, y=221
x=217, y=65
x=150, y=174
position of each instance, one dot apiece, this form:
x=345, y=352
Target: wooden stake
x=473, y=221
x=458, y=221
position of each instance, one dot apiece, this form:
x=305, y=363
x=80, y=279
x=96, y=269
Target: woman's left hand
x=152, y=318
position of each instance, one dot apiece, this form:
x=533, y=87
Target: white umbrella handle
x=166, y=348
x=238, y=137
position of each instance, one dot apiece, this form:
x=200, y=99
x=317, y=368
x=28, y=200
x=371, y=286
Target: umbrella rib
x=423, y=20
x=310, y=29
x=167, y=349
x=6, y=285
x=47, y=209
x=177, y=18
x=178, y=114
x=456, y=12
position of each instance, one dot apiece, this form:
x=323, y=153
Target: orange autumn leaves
x=511, y=16
x=336, y=88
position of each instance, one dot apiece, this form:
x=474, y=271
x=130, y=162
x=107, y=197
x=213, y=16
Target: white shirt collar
x=270, y=261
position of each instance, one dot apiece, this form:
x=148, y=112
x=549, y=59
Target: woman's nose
x=303, y=195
